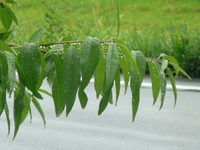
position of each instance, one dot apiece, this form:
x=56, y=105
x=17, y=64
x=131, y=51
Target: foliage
x=177, y=42
x=68, y=67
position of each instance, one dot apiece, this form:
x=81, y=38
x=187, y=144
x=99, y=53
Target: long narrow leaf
x=173, y=85
x=71, y=76
x=117, y=84
x=155, y=80
x=99, y=76
x=124, y=65
x=163, y=81
x=136, y=80
x=39, y=108
x=18, y=108
x=30, y=60
x=89, y=59
x=11, y=71
x=58, y=91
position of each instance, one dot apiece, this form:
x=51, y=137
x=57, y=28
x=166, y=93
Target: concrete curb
x=179, y=87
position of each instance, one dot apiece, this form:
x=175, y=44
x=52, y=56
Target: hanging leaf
x=27, y=108
x=99, y=76
x=7, y=117
x=18, y=108
x=136, y=80
x=89, y=59
x=36, y=35
x=71, y=76
x=155, y=80
x=6, y=18
x=11, y=71
x=124, y=65
x=5, y=34
x=12, y=15
x=163, y=82
x=30, y=60
x=58, y=91
x=173, y=85
x=5, y=47
x=117, y=84
x=111, y=68
x=3, y=72
x=39, y=108
x=128, y=57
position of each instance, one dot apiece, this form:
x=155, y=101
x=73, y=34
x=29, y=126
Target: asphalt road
x=169, y=129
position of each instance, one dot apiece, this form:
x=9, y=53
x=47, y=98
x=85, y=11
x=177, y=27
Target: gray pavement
x=168, y=129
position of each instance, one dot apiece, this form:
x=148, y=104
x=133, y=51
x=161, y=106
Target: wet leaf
x=39, y=109
x=30, y=61
x=90, y=54
x=136, y=80
x=117, y=84
x=11, y=71
x=18, y=108
x=99, y=76
x=163, y=81
x=124, y=65
x=111, y=68
x=173, y=85
x=155, y=80
x=6, y=18
x=58, y=91
x=71, y=76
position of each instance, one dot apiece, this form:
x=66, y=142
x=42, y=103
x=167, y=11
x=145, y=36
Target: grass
x=153, y=27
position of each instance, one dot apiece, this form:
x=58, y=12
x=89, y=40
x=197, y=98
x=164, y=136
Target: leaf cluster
x=69, y=66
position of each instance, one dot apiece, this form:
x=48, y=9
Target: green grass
x=145, y=15
x=154, y=27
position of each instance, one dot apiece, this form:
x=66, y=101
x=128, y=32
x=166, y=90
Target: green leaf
x=118, y=18
x=136, y=81
x=5, y=34
x=7, y=117
x=11, y=2
x=117, y=84
x=39, y=108
x=5, y=47
x=89, y=59
x=27, y=107
x=111, y=68
x=20, y=71
x=71, y=76
x=104, y=101
x=6, y=18
x=173, y=85
x=30, y=60
x=49, y=66
x=124, y=65
x=58, y=91
x=155, y=80
x=56, y=49
x=3, y=74
x=18, y=108
x=42, y=73
x=36, y=35
x=99, y=75
x=45, y=92
x=111, y=65
x=179, y=69
x=11, y=71
x=163, y=81
x=12, y=15
x=128, y=57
